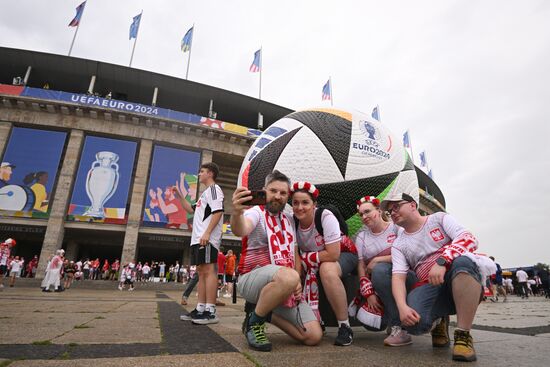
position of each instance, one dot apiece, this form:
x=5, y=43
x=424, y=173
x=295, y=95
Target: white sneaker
x=227, y=295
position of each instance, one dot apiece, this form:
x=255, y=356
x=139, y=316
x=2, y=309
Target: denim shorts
x=251, y=284
x=348, y=263
x=432, y=302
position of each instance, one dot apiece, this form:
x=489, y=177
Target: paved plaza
x=104, y=327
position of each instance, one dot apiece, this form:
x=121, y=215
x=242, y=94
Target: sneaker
x=226, y=295
x=398, y=337
x=256, y=338
x=206, y=318
x=191, y=315
x=184, y=301
x=120, y=288
x=463, y=349
x=440, y=334
x=345, y=336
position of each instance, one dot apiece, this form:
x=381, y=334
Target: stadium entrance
x=82, y=244
x=157, y=248
x=29, y=239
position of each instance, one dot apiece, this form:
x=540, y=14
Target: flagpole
x=76, y=31
x=190, y=49
x=135, y=40
x=330, y=88
x=261, y=69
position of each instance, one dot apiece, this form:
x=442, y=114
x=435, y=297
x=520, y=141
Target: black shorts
x=3, y=269
x=204, y=254
x=228, y=278
x=220, y=277
x=129, y=281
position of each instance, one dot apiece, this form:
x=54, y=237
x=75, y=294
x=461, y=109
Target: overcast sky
x=470, y=80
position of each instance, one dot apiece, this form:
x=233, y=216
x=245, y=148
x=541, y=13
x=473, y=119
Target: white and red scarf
x=280, y=241
x=310, y=293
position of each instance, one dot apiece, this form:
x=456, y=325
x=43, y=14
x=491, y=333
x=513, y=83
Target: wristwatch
x=441, y=261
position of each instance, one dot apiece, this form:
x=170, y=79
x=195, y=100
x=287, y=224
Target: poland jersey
x=370, y=245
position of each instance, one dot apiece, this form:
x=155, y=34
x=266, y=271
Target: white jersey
x=309, y=240
x=521, y=276
x=210, y=202
x=419, y=251
x=370, y=245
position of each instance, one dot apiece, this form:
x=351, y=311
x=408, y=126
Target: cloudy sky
x=470, y=80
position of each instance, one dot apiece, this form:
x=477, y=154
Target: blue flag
x=187, y=40
x=375, y=113
x=76, y=20
x=423, y=161
x=406, y=142
x=327, y=93
x=134, y=27
x=257, y=62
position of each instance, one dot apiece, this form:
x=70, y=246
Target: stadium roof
x=72, y=74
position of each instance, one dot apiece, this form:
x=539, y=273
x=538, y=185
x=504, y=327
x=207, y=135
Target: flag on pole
x=406, y=142
x=423, y=161
x=187, y=40
x=257, y=63
x=375, y=113
x=76, y=20
x=134, y=27
x=327, y=92
x=430, y=174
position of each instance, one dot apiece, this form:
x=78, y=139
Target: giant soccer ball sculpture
x=347, y=155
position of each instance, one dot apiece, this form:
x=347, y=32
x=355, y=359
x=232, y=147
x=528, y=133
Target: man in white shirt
x=522, y=278
x=434, y=248
x=205, y=244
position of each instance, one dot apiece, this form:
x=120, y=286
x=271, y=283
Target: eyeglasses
x=396, y=207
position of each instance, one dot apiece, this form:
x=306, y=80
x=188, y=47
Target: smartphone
x=258, y=198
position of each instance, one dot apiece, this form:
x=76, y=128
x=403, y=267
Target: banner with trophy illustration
x=173, y=178
x=28, y=172
x=102, y=184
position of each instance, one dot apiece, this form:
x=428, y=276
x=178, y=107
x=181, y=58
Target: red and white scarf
x=310, y=293
x=280, y=241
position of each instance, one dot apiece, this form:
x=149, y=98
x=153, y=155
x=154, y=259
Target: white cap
x=7, y=164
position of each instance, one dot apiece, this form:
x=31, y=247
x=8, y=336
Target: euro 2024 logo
x=371, y=147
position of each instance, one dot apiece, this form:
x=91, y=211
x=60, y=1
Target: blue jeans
x=430, y=302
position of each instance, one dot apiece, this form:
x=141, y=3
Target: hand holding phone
x=258, y=198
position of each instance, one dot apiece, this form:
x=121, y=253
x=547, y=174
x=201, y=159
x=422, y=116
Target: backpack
x=319, y=215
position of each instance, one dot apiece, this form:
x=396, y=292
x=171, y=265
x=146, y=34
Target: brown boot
x=440, y=334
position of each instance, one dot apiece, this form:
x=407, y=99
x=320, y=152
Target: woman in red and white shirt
x=373, y=241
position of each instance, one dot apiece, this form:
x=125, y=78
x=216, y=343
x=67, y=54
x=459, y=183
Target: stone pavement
x=102, y=327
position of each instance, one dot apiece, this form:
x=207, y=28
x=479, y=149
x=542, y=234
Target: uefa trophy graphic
x=101, y=182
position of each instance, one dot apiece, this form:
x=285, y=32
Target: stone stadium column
x=5, y=128
x=137, y=199
x=53, y=239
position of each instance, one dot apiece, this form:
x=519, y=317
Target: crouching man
x=269, y=267
x=445, y=278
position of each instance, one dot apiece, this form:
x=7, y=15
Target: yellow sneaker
x=463, y=349
x=440, y=334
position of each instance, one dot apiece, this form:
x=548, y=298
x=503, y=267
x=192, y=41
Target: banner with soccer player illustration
x=173, y=178
x=28, y=172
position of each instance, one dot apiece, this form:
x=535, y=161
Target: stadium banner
x=29, y=171
x=95, y=101
x=102, y=184
x=173, y=177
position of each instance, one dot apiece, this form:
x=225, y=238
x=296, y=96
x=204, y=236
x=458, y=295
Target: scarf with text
x=280, y=241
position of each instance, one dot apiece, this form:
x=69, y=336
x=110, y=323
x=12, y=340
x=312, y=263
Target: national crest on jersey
x=391, y=238
x=437, y=235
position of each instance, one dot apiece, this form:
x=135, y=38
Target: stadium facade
x=91, y=153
